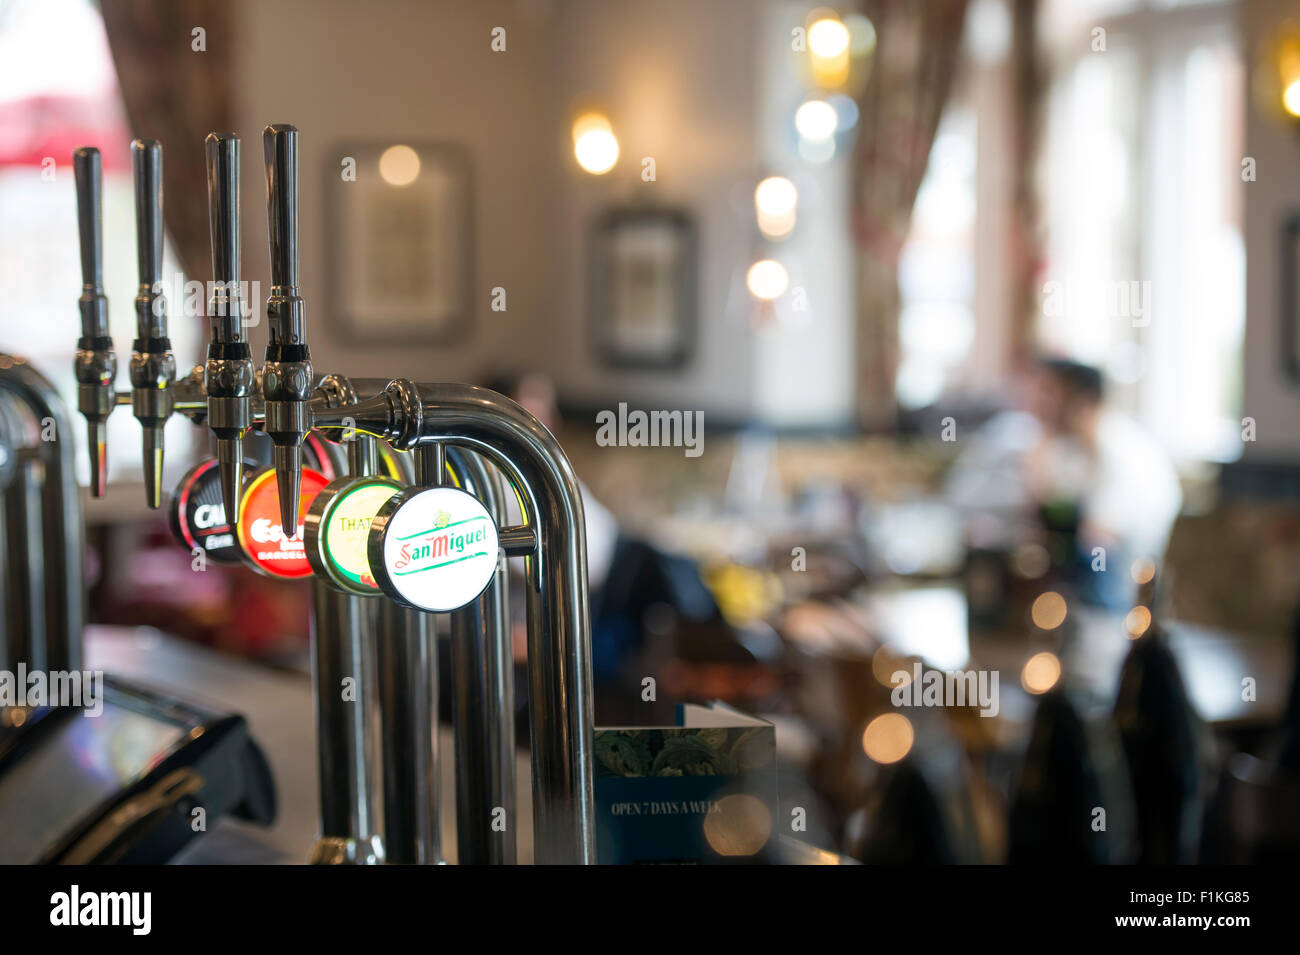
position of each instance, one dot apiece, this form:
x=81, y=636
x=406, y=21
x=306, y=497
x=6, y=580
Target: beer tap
x=287, y=371
x=477, y=427
x=96, y=361
x=153, y=366
x=229, y=375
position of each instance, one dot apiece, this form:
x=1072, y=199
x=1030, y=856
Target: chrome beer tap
x=287, y=371
x=454, y=425
x=153, y=366
x=554, y=542
x=96, y=361
x=229, y=376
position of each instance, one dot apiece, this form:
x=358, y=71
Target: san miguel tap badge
x=435, y=549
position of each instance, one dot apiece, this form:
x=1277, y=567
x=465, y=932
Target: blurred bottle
x=1070, y=805
x=1161, y=736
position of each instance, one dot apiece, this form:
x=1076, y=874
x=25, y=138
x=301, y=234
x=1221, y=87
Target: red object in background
x=40, y=127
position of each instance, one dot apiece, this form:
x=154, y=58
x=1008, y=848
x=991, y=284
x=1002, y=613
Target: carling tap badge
x=433, y=548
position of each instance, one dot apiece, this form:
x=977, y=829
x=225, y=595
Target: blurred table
x=929, y=621
x=279, y=709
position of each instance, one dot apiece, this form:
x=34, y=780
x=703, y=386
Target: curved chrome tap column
x=483, y=695
x=406, y=663
x=43, y=534
x=559, y=639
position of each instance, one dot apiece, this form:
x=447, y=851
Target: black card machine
x=132, y=781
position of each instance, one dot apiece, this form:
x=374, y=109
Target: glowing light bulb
x=816, y=120
x=399, y=165
x=1143, y=570
x=888, y=738
x=1291, y=98
x=775, y=200
x=1137, y=622
x=594, y=144
x=1040, y=673
x=767, y=279
x=1048, y=611
x=828, y=38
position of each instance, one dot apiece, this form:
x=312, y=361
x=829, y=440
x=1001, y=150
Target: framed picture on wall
x=400, y=242
x=642, y=298
x=1289, y=274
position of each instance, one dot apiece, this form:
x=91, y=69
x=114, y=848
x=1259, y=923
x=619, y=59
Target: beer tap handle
x=229, y=374
x=96, y=361
x=153, y=366
x=287, y=372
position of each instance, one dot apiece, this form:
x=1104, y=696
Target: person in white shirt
x=1070, y=453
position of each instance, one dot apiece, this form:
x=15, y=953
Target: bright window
x=1141, y=176
x=58, y=91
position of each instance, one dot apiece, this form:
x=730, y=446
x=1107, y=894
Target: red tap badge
x=260, y=535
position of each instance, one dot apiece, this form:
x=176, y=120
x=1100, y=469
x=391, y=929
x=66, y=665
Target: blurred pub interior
x=985, y=308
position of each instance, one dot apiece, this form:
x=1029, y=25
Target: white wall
x=680, y=81
x=406, y=70
x=805, y=360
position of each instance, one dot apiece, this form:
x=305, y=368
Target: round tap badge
x=433, y=548
x=338, y=531
x=260, y=535
x=198, y=514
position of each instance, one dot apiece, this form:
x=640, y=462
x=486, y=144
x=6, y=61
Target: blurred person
x=535, y=392
x=626, y=575
x=1090, y=475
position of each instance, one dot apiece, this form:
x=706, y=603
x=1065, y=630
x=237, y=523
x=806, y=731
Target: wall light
x=828, y=48
x=775, y=201
x=767, y=280
x=399, y=165
x=594, y=144
x=816, y=120
x=1276, y=82
x=828, y=38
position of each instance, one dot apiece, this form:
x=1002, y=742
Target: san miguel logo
x=445, y=544
x=439, y=548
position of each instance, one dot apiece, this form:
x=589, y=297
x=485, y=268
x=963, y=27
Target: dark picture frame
x=642, y=300
x=1289, y=299
x=400, y=262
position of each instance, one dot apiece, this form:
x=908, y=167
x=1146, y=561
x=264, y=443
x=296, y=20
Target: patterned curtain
x=899, y=108
x=176, y=93
x=1028, y=92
